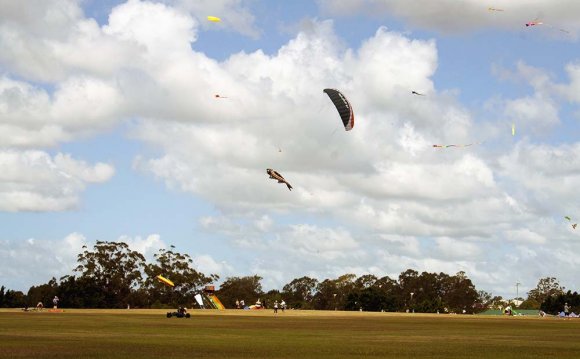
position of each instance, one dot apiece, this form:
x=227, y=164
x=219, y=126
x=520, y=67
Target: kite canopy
x=165, y=280
x=343, y=107
x=214, y=19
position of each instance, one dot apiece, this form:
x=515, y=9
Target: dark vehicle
x=181, y=313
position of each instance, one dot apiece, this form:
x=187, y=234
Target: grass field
x=294, y=334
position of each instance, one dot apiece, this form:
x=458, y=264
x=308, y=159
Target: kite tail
x=289, y=187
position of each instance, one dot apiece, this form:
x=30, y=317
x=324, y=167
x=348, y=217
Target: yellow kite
x=165, y=280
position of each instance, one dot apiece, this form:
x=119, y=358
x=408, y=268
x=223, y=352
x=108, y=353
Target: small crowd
x=240, y=304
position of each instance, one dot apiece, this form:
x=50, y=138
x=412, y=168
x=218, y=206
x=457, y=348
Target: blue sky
x=110, y=131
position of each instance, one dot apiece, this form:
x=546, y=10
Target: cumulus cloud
x=532, y=113
x=37, y=181
x=206, y=264
x=233, y=14
x=387, y=199
x=383, y=177
x=571, y=91
x=34, y=118
x=35, y=261
x=147, y=246
x=458, y=16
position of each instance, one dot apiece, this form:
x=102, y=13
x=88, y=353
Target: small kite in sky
x=494, y=9
x=416, y=93
x=165, y=280
x=275, y=175
x=534, y=23
x=219, y=96
x=214, y=19
x=538, y=22
x=570, y=220
x=513, y=129
x=447, y=146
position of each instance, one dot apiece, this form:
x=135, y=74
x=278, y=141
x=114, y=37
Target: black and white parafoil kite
x=343, y=107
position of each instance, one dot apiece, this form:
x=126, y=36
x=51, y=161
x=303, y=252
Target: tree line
x=111, y=275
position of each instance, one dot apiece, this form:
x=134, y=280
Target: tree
x=325, y=296
x=114, y=269
x=530, y=304
x=427, y=295
x=43, y=293
x=547, y=287
x=270, y=297
x=333, y=294
x=81, y=292
x=12, y=298
x=248, y=289
x=484, y=300
x=300, y=292
x=365, y=281
x=408, y=283
x=460, y=294
x=390, y=290
x=555, y=304
x=371, y=299
x=178, y=268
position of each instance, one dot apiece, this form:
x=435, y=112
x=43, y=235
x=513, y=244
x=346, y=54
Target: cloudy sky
x=110, y=130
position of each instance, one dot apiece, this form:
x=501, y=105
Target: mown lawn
x=243, y=334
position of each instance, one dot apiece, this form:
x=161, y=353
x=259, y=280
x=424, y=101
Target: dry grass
x=293, y=334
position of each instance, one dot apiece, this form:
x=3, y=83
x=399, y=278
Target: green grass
x=295, y=334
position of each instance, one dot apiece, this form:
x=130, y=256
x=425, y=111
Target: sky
x=110, y=130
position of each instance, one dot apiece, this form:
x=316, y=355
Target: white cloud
x=468, y=15
x=548, y=174
x=263, y=223
x=532, y=114
x=525, y=235
x=455, y=249
x=171, y=35
x=35, y=261
x=571, y=91
x=35, y=181
x=233, y=14
x=207, y=265
x=32, y=117
x=388, y=199
x=147, y=246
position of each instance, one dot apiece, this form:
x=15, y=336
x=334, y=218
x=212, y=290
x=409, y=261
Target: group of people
x=55, y=301
x=566, y=312
x=282, y=306
x=240, y=304
x=40, y=305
